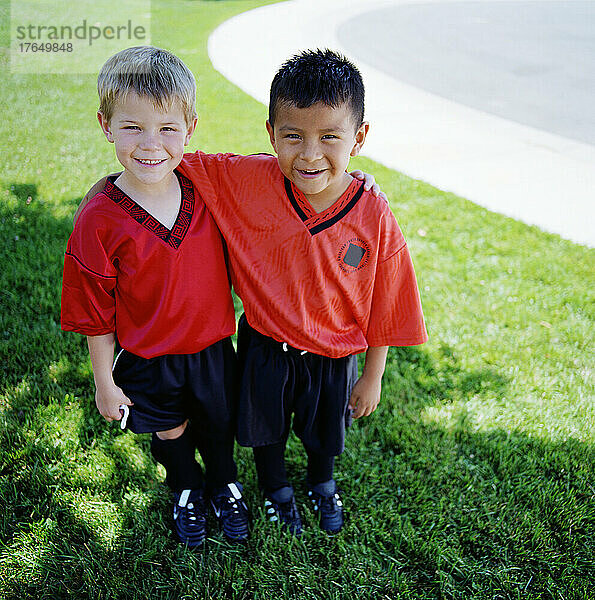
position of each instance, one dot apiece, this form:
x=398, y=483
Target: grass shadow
x=440, y=506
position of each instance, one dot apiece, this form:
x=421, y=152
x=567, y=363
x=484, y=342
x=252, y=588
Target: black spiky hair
x=314, y=76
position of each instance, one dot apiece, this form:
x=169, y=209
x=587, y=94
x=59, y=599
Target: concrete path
x=538, y=177
x=529, y=62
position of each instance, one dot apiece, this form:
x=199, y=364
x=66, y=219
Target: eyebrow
x=326, y=130
x=136, y=122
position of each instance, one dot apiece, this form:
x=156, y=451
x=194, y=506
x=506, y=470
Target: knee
x=172, y=434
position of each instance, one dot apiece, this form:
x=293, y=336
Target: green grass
x=473, y=479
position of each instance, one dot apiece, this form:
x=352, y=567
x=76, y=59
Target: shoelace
x=288, y=509
x=328, y=505
x=232, y=507
x=191, y=511
x=233, y=501
x=271, y=510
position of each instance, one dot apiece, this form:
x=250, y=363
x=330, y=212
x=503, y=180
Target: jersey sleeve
x=396, y=317
x=220, y=177
x=88, y=283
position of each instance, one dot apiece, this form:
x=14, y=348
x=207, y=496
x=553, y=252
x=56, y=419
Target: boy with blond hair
x=145, y=272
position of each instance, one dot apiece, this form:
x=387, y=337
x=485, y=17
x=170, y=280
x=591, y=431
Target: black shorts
x=167, y=390
x=278, y=381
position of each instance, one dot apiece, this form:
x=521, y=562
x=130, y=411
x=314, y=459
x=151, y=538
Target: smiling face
x=313, y=147
x=149, y=142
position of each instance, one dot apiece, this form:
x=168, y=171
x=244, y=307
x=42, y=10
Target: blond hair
x=150, y=72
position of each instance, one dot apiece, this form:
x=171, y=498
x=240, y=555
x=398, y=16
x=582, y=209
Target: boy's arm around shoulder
x=95, y=189
x=369, y=183
x=225, y=167
x=222, y=178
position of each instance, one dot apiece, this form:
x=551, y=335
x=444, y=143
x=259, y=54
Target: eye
x=330, y=136
x=132, y=127
x=292, y=136
x=168, y=129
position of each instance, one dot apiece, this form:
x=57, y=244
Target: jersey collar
x=317, y=222
x=173, y=236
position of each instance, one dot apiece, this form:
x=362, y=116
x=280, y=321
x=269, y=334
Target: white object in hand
x=125, y=412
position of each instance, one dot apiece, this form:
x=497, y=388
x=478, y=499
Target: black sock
x=270, y=466
x=217, y=455
x=178, y=458
x=320, y=467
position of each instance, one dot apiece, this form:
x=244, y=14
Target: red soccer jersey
x=331, y=283
x=160, y=291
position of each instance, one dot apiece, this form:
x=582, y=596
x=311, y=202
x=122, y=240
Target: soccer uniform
x=328, y=284
x=165, y=295
x=332, y=283
x=162, y=291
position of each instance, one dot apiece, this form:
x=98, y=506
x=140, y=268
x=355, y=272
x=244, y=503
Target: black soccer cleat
x=328, y=505
x=190, y=523
x=280, y=507
x=231, y=511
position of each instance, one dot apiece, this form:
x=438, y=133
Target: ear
x=271, y=131
x=190, y=131
x=360, y=138
x=105, y=127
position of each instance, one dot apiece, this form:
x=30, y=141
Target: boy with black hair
x=145, y=269
x=323, y=272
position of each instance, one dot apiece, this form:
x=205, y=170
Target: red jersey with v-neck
x=331, y=283
x=160, y=291
x=318, y=221
x=173, y=236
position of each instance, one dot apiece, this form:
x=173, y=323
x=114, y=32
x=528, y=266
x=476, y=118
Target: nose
x=150, y=141
x=310, y=151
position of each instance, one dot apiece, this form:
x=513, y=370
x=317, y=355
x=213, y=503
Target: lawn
x=473, y=479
